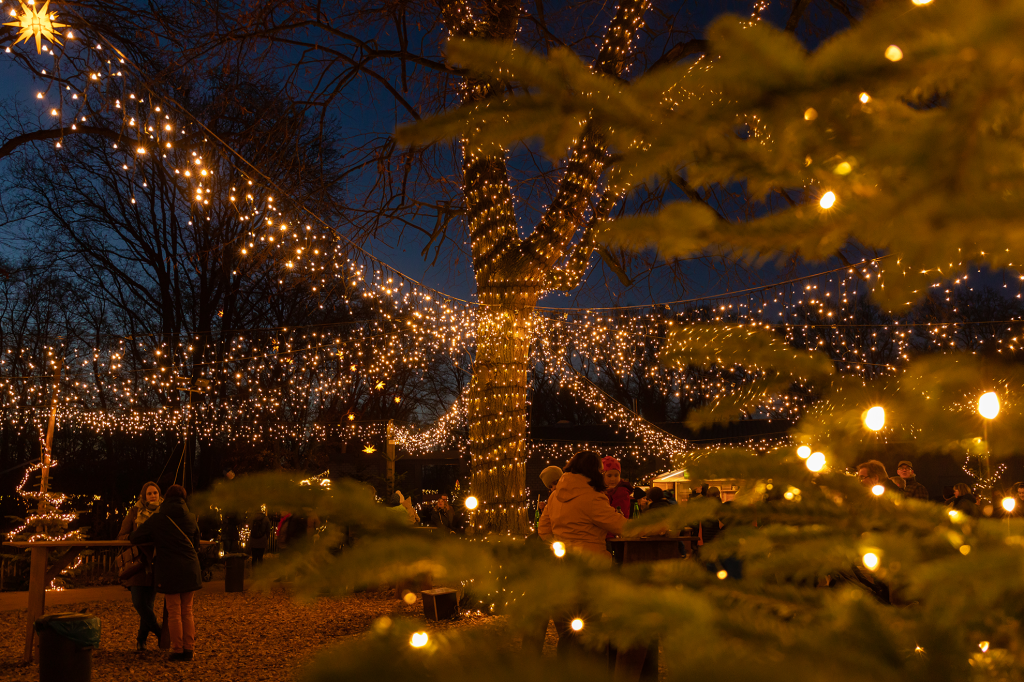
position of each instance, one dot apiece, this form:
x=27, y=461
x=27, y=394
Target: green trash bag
x=80, y=628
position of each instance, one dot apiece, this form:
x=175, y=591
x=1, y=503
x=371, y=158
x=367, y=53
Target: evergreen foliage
x=813, y=576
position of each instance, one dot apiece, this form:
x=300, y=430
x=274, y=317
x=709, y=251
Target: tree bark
x=512, y=272
x=497, y=410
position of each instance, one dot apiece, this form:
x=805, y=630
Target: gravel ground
x=240, y=636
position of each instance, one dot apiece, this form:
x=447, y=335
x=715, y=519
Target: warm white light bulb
x=472, y=503
x=816, y=462
x=828, y=199
x=577, y=624
x=919, y=3
x=877, y=490
x=874, y=418
x=1009, y=503
x=893, y=53
x=988, y=405
x=558, y=548
x=865, y=98
x=419, y=639
x=803, y=452
x=870, y=560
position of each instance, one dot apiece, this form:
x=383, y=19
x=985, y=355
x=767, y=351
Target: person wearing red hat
x=617, y=490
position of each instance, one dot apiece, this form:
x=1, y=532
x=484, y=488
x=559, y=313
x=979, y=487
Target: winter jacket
x=259, y=531
x=580, y=516
x=142, y=578
x=620, y=497
x=176, y=565
x=968, y=504
x=914, y=489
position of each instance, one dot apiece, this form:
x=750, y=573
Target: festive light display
x=259, y=377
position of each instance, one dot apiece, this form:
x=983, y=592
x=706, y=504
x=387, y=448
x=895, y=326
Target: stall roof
x=673, y=476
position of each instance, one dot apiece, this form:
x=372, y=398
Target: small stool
x=440, y=603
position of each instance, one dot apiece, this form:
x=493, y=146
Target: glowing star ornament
x=36, y=23
x=370, y=449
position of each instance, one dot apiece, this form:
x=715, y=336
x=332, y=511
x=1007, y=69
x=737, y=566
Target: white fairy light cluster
x=393, y=327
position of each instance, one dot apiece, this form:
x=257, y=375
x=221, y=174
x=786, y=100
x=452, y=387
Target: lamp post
x=988, y=408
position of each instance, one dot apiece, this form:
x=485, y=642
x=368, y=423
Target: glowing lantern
x=816, y=462
x=874, y=418
x=988, y=405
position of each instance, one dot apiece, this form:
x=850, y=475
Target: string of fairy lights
x=395, y=327
x=263, y=373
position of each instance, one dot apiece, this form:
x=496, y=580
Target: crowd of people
x=582, y=506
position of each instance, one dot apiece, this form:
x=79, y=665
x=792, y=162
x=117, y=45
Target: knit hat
x=610, y=463
x=175, y=491
x=549, y=477
x=905, y=462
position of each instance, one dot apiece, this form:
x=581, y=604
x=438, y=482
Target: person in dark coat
x=442, y=515
x=709, y=528
x=176, y=571
x=657, y=498
x=964, y=500
x=141, y=584
x=259, y=536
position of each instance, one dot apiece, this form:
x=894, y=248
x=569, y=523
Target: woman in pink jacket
x=578, y=512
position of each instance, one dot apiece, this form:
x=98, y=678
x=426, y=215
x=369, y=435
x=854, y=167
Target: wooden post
x=36, y=595
x=389, y=458
x=47, y=448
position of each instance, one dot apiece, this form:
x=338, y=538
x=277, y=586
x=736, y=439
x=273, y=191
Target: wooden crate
x=440, y=603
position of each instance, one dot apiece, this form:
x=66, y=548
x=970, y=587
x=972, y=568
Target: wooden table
x=42, y=572
x=631, y=550
x=641, y=662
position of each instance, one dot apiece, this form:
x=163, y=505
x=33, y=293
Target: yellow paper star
x=369, y=449
x=39, y=24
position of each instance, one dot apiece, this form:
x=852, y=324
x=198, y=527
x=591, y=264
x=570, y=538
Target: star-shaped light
x=39, y=24
x=369, y=449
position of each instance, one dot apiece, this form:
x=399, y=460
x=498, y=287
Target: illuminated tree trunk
x=512, y=271
x=498, y=415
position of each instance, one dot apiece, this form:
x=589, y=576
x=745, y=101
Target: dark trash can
x=234, y=572
x=66, y=641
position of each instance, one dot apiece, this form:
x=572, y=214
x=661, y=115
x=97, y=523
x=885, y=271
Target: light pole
x=988, y=408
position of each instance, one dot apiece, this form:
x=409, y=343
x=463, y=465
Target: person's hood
x=175, y=508
x=571, y=486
